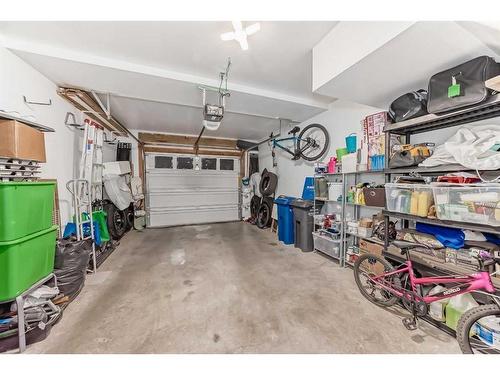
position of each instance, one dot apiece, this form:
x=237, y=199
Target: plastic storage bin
x=473, y=203
x=326, y=245
x=25, y=208
x=285, y=219
x=26, y=260
x=413, y=199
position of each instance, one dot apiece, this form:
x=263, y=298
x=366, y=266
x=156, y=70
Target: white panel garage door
x=183, y=189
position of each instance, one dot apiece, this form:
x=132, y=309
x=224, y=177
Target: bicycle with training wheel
x=384, y=285
x=311, y=144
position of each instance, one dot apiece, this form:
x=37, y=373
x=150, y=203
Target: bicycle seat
x=295, y=130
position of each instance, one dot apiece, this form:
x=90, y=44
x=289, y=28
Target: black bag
x=462, y=85
x=410, y=105
x=70, y=266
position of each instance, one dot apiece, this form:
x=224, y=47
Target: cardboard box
x=20, y=141
x=377, y=268
x=365, y=222
x=370, y=247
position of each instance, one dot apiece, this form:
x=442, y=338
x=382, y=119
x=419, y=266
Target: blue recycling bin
x=308, y=191
x=286, y=221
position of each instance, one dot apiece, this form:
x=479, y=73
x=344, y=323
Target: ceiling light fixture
x=240, y=34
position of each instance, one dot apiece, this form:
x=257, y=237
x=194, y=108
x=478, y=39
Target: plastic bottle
x=457, y=306
x=424, y=201
x=437, y=309
x=414, y=203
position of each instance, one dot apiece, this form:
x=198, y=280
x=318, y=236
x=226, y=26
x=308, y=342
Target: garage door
x=184, y=189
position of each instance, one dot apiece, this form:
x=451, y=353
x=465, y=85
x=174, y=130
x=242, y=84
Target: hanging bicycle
x=311, y=144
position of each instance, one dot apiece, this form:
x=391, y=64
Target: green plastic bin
x=25, y=208
x=25, y=261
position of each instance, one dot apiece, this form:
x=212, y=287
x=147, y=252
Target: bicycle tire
x=387, y=268
x=325, y=146
x=468, y=319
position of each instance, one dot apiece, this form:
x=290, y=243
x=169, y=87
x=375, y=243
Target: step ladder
x=88, y=187
x=82, y=213
x=91, y=161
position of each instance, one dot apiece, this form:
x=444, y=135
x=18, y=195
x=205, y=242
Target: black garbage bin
x=304, y=224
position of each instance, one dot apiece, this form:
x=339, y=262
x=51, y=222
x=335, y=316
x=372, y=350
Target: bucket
x=334, y=191
x=350, y=143
x=341, y=152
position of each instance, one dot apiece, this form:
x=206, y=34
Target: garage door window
x=226, y=164
x=209, y=164
x=184, y=163
x=164, y=162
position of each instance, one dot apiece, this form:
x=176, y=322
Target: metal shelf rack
x=331, y=177
x=488, y=109
x=357, y=209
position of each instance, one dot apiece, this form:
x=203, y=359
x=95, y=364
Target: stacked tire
x=268, y=184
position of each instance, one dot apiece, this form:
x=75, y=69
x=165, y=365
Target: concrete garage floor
x=228, y=288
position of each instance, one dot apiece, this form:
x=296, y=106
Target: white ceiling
x=279, y=57
x=150, y=66
x=406, y=62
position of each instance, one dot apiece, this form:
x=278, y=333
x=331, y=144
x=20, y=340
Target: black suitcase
x=410, y=105
x=462, y=85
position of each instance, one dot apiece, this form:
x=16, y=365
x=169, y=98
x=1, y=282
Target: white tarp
x=473, y=147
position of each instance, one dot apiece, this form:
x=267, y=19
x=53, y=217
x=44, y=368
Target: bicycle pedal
x=296, y=157
x=410, y=324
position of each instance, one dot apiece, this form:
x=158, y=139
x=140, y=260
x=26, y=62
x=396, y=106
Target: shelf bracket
x=106, y=108
x=36, y=103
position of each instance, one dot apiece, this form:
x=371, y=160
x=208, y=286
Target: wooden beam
x=77, y=97
x=174, y=139
x=190, y=151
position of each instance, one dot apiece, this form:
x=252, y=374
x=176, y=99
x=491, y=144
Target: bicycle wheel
x=313, y=142
x=478, y=330
x=369, y=265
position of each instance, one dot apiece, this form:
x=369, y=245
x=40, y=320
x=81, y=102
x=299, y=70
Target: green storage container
x=25, y=208
x=25, y=261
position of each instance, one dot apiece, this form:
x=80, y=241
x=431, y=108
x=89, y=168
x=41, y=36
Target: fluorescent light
x=252, y=29
x=240, y=34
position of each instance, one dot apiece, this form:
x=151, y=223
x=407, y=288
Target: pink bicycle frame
x=478, y=281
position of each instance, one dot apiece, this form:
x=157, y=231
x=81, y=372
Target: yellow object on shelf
x=424, y=202
x=414, y=203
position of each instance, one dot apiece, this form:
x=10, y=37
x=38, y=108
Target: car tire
x=116, y=220
x=268, y=183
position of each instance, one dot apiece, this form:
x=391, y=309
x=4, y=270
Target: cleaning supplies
x=437, y=308
x=457, y=306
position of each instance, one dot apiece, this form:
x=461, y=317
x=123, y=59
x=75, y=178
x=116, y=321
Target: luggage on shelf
x=462, y=85
x=409, y=105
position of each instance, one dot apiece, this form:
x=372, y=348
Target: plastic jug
x=457, y=306
x=488, y=331
x=331, y=164
x=437, y=309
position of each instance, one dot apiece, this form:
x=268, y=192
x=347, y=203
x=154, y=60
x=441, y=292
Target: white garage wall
x=18, y=79
x=341, y=119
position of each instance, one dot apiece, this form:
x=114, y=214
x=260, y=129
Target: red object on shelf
x=459, y=179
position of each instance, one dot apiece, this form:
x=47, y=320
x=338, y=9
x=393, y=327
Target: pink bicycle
x=384, y=285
